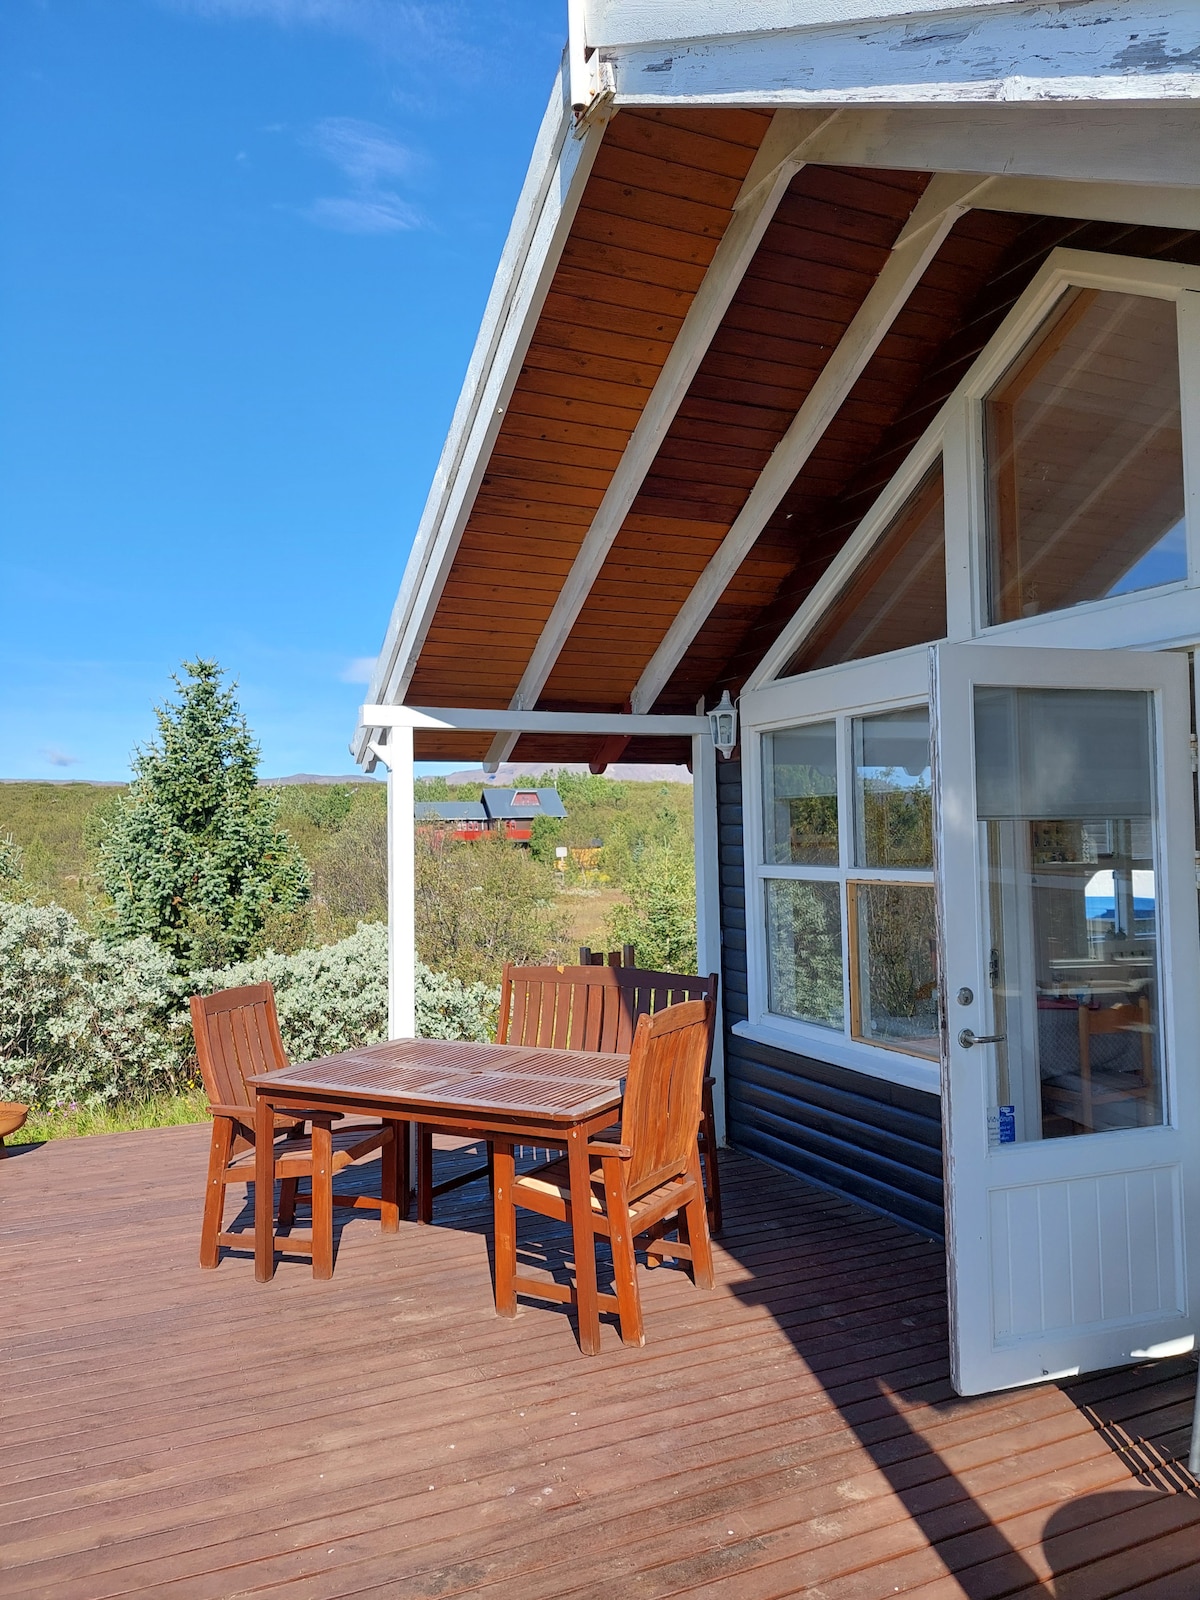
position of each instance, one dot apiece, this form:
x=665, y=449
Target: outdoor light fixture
x=722, y=719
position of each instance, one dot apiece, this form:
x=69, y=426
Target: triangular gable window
x=897, y=596
x=1084, y=448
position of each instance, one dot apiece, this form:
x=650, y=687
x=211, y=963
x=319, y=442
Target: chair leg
x=712, y=1173
x=389, y=1179
x=505, y=1230
x=322, y=1200
x=694, y=1223
x=288, y=1190
x=620, y=1238
x=214, y=1194
x=424, y=1172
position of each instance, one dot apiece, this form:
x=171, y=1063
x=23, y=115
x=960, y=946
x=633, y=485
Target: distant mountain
x=316, y=777
x=625, y=772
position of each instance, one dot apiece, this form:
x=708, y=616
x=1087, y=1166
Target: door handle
x=966, y=1038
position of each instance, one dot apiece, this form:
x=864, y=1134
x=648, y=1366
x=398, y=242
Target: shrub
x=81, y=1020
x=482, y=904
x=84, y=1022
x=660, y=918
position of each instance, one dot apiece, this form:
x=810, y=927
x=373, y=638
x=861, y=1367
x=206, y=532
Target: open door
x=1070, y=969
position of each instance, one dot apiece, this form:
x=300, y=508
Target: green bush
x=90, y=1023
x=81, y=1020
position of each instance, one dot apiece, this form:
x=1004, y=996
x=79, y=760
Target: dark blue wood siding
x=874, y=1142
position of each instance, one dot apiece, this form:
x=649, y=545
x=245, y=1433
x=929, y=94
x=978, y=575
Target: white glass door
x=1070, y=972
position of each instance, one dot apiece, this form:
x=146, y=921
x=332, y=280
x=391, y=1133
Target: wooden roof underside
x=656, y=205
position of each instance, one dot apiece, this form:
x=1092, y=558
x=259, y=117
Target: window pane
x=1085, y=459
x=1072, y=906
x=893, y=804
x=804, y=951
x=898, y=596
x=896, y=996
x=800, y=820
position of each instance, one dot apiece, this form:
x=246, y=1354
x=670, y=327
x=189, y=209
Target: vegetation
x=192, y=855
x=117, y=902
x=90, y=1029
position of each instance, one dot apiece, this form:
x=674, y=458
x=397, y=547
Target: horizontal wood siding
x=873, y=1142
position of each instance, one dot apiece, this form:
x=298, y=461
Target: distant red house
x=510, y=812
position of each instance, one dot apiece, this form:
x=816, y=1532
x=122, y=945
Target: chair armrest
x=599, y=1148
x=236, y=1113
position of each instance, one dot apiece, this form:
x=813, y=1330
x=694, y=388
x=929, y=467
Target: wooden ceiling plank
x=733, y=255
x=944, y=201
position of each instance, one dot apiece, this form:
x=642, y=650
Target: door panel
x=1070, y=962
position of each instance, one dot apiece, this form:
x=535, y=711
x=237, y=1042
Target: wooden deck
x=174, y=1432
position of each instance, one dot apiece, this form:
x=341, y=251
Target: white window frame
x=1166, y=616
x=858, y=688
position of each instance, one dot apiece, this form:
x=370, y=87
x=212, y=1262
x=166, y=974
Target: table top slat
x=445, y=1074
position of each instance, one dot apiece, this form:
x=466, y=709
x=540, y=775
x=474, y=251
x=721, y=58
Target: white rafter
x=946, y=198
x=780, y=157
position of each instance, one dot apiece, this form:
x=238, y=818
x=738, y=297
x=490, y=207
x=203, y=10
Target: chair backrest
x=237, y=1036
x=661, y=1110
x=591, y=1008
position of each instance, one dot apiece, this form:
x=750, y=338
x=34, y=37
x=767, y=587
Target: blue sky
x=245, y=251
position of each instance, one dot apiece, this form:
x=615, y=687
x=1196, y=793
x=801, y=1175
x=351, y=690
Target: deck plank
x=174, y=1432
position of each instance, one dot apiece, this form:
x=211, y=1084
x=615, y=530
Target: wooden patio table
x=556, y=1098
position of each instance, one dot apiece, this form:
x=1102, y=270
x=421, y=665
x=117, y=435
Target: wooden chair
x=594, y=1008
x=645, y=1182
x=1077, y=1097
x=237, y=1037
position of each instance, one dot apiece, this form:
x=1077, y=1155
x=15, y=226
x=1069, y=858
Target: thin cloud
x=381, y=213
x=359, y=670
x=365, y=152
x=367, y=155
x=55, y=757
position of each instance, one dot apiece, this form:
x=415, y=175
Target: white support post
x=402, y=908
x=708, y=898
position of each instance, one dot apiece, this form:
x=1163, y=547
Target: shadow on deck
x=174, y=1432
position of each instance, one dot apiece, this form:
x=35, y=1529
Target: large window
x=847, y=873
x=1084, y=456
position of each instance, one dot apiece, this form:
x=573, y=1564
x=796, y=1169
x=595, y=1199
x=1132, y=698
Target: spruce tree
x=194, y=856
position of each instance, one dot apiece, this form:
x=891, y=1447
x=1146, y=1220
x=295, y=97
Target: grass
x=77, y=1122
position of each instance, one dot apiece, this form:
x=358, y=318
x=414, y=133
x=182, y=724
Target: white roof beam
x=484, y=720
x=946, y=199
x=780, y=157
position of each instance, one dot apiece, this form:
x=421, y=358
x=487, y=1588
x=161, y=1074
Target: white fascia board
x=488, y=720
x=1022, y=50
x=553, y=185
x=626, y=22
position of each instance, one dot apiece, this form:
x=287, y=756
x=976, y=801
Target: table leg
x=584, y=1239
x=503, y=1172
x=322, y=1198
x=264, y=1189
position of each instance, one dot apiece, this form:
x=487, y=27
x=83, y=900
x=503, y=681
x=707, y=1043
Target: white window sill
x=914, y=1072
